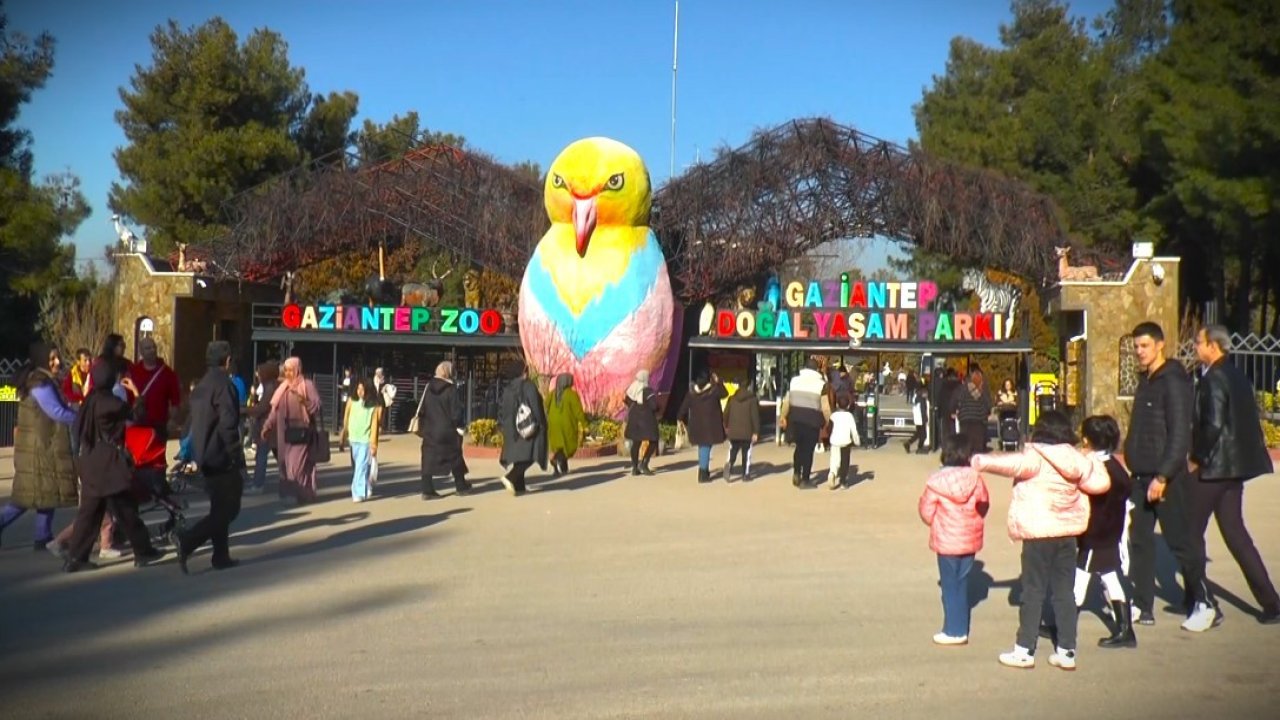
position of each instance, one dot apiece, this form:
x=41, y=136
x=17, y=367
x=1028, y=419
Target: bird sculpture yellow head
x=597, y=182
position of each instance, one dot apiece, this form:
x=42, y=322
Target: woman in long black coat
x=441, y=423
x=703, y=415
x=100, y=428
x=642, y=422
x=518, y=453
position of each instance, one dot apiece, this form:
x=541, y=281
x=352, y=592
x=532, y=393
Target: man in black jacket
x=218, y=452
x=1156, y=450
x=1227, y=449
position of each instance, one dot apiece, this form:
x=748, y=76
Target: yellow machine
x=1043, y=391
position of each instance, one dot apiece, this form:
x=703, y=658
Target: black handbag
x=297, y=434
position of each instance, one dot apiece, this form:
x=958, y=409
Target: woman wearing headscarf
x=642, y=422
x=441, y=424
x=106, y=475
x=521, y=405
x=44, y=477
x=565, y=423
x=295, y=403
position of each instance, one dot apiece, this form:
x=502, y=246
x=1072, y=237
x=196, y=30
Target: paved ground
x=600, y=596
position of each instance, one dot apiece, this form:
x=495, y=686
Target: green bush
x=667, y=433
x=482, y=431
x=604, y=430
x=495, y=440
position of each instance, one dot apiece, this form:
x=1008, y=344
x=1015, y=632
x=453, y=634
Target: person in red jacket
x=157, y=385
x=76, y=382
x=953, y=505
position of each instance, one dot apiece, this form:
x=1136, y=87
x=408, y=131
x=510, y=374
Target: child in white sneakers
x=953, y=505
x=1100, y=544
x=844, y=435
x=1048, y=512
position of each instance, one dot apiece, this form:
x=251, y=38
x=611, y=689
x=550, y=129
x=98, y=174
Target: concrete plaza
x=598, y=595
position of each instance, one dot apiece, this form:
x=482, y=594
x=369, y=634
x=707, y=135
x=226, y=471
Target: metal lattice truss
x=477, y=209
x=721, y=224
x=808, y=182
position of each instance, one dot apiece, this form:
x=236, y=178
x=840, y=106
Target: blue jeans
x=360, y=464
x=953, y=570
x=704, y=457
x=184, y=448
x=44, y=521
x=260, y=465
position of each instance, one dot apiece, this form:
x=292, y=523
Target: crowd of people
x=1076, y=509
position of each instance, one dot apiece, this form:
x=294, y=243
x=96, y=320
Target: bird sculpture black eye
x=557, y=181
x=615, y=182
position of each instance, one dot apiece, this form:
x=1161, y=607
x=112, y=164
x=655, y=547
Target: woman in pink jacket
x=954, y=502
x=1048, y=511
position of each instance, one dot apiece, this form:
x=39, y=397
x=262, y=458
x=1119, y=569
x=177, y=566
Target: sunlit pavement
x=595, y=595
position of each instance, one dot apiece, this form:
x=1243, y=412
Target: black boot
x=644, y=467
x=1123, y=637
x=429, y=489
x=795, y=478
x=907, y=446
x=461, y=486
x=635, y=468
x=704, y=476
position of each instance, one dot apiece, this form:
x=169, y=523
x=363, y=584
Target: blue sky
x=521, y=79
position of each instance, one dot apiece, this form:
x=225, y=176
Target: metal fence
x=8, y=400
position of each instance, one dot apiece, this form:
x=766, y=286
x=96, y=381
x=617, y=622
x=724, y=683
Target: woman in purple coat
x=295, y=404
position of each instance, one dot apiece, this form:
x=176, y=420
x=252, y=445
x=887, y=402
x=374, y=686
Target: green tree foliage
x=1210, y=137
x=1053, y=106
x=212, y=117
x=380, y=142
x=34, y=217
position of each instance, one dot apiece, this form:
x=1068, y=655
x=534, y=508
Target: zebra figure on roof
x=1000, y=298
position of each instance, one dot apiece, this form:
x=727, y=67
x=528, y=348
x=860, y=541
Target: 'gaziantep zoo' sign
x=902, y=311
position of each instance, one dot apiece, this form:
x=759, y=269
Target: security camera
x=1157, y=274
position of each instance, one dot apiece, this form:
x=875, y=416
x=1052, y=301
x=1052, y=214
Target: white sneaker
x=510, y=486
x=109, y=553
x=1019, y=657
x=1064, y=659
x=945, y=639
x=1202, y=619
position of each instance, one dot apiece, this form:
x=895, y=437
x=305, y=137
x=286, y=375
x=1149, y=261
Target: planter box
x=596, y=451
x=481, y=452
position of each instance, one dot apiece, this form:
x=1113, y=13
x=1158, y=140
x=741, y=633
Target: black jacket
x=438, y=423
x=742, y=415
x=215, y=424
x=515, y=448
x=701, y=413
x=1159, y=438
x=1227, y=442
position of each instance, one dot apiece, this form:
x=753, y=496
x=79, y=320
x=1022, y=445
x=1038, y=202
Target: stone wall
x=143, y=292
x=1111, y=311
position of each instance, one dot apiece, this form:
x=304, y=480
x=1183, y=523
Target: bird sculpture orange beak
x=584, y=221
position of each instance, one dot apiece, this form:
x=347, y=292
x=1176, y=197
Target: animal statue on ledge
x=471, y=288
x=428, y=294
x=1000, y=298
x=1073, y=274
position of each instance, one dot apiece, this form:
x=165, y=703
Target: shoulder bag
x=526, y=423
x=413, y=421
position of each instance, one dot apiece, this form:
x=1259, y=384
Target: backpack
x=526, y=423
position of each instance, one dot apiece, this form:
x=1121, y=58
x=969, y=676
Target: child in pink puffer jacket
x=953, y=505
x=1048, y=511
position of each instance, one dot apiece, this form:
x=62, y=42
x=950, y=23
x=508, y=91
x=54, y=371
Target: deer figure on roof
x=428, y=294
x=1069, y=273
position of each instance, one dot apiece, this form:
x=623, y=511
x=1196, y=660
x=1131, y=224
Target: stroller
x=1009, y=431
x=150, y=484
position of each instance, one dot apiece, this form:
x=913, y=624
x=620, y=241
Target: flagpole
x=675, y=57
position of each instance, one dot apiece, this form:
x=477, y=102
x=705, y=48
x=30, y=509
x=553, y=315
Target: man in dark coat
x=1227, y=449
x=973, y=409
x=1156, y=451
x=519, y=452
x=442, y=424
x=217, y=450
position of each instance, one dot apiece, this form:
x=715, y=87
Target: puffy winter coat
x=701, y=412
x=953, y=505
x=1049, y=482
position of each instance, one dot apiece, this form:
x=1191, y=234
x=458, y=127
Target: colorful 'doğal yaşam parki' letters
x=596, y=300
x=901, y=311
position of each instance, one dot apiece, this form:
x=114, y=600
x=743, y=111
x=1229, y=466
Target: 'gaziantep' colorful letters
x=902, y=311
x=401, y=319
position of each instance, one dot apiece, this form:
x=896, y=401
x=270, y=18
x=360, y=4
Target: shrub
x=604, y=430
x=482, y=431
x=495, y=440
x=667, y=433
x=1271, y=432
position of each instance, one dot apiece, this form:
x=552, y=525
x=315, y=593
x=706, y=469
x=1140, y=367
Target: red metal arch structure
x=786, y=191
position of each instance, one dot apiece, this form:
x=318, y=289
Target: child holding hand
x=953, y=505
